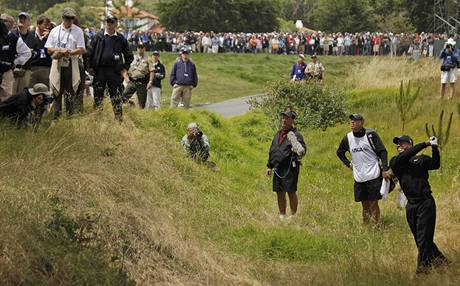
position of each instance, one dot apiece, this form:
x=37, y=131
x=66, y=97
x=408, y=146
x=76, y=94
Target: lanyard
x=59, y=37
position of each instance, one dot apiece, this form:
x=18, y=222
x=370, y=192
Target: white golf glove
x=296, y=146
x=433, y=141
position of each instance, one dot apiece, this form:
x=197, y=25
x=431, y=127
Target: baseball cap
x=356, y=116
x=313, y=56
x=302, y=56
x=140, y=46
x=69, y=12
x=183, y=51
x=111, y=18
x=403, y=138
x=192, y=125
x=24, y=14
x=156, y=53
x=291, y=114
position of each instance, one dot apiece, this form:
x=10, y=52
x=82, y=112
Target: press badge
x=186, y=74
x=61, y=45
x=6, y=48
x=116, y=57
x=42, y=54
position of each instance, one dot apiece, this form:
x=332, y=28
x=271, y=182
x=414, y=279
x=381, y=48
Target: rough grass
x=89, y=201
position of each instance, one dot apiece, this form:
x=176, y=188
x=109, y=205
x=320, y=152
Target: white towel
x=385, y=189
x=55, y=75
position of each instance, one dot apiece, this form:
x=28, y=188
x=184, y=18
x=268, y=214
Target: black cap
x=111, y=18
x=290, y=114
x=356, y=116
x=403, y=138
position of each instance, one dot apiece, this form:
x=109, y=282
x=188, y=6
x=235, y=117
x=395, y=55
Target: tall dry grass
x=382, y=72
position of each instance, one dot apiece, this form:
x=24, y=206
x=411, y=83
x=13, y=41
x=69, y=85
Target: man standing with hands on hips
x=183, y=78
x=286, y=150
x=369, y=164
x=412, y=173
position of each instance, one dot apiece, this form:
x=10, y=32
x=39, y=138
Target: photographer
x=449, y=56
x=19, y=107
x=196, y=143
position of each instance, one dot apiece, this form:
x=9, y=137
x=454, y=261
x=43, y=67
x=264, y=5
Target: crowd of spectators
x=320, y=43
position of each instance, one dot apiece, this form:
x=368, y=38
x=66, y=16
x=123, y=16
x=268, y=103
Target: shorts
x=288, y=180
x=449, y=76
x=368, y=191
x=376, y=48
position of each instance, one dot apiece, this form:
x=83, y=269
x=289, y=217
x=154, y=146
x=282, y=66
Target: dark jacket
x=376, y=144
x=280, y=154
x=40, y=56
x=298, y=71
x=120, y=47
x=412, y=170
x=8, y=52
x=159, y=68
x=184, y=73
x=17, y=108
x=29, y=39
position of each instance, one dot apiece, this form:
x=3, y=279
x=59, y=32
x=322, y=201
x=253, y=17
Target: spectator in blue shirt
x=183, y=78
x=298, y=70
x=449, y=68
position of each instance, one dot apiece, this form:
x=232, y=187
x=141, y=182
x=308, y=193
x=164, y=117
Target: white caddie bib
x=364, y=160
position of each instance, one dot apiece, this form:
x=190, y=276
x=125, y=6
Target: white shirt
x=364, y=160
x=61, y=37
x=23, y=53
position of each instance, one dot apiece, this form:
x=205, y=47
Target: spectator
x=41, y=62
x=65, y=44
x=154, y=94
x=183, y=78
x=315, y=70
x=14, y=52
x=109, y=58
x=449, y=68
x=140, y=77
x=298, y=70
x=286, y=150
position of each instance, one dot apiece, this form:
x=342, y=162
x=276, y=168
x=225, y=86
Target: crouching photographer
x=195, y=143
x=26, y=106
x=449, y=68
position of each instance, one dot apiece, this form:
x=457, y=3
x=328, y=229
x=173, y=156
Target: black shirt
x=280, y=155
x=108, y=57
x=17, y=107
x=40, y=56
x=412, y=170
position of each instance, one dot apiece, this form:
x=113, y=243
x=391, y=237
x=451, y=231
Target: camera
x=47, y=100
x=198, y=134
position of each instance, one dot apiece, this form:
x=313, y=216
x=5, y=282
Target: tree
x=344, y=15
x=219, y=15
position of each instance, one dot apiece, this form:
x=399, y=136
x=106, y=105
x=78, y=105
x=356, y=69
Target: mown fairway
x=89, y=201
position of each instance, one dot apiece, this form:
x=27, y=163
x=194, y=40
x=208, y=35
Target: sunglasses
x=111, y=21
x=69, y=18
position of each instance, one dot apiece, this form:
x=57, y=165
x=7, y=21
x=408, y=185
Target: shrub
x=317, y=106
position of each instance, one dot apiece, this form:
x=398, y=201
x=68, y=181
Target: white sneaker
x=282, y=216
x=180, y=104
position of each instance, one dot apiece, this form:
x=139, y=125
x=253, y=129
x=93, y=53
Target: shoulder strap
x=370, y=139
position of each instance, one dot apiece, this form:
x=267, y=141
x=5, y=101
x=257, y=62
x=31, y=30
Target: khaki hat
x=39, y=88
x=69, y=12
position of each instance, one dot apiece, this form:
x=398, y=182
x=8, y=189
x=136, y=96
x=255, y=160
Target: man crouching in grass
x=286, y=150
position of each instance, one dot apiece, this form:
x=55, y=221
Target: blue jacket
x=184, y=73
x=298, y=71
x=449, y=58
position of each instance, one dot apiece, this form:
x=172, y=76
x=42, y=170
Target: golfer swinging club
x=412, y=173
x=286, y=150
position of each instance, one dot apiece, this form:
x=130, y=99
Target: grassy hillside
x=91, y=202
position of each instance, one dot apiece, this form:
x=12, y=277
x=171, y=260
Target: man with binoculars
x=449, y=68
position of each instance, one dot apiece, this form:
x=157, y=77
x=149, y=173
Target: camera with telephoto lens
x=47, y=100
x=198, y=134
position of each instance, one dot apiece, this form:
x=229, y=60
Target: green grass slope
x=89, y=201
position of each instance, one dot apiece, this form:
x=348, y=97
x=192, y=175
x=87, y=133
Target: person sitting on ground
x=18, y=108
x=195, y=143
x=315, y=70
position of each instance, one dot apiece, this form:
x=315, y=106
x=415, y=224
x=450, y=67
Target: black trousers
x=111, y=78
x=421, y=217
x=66, y=91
